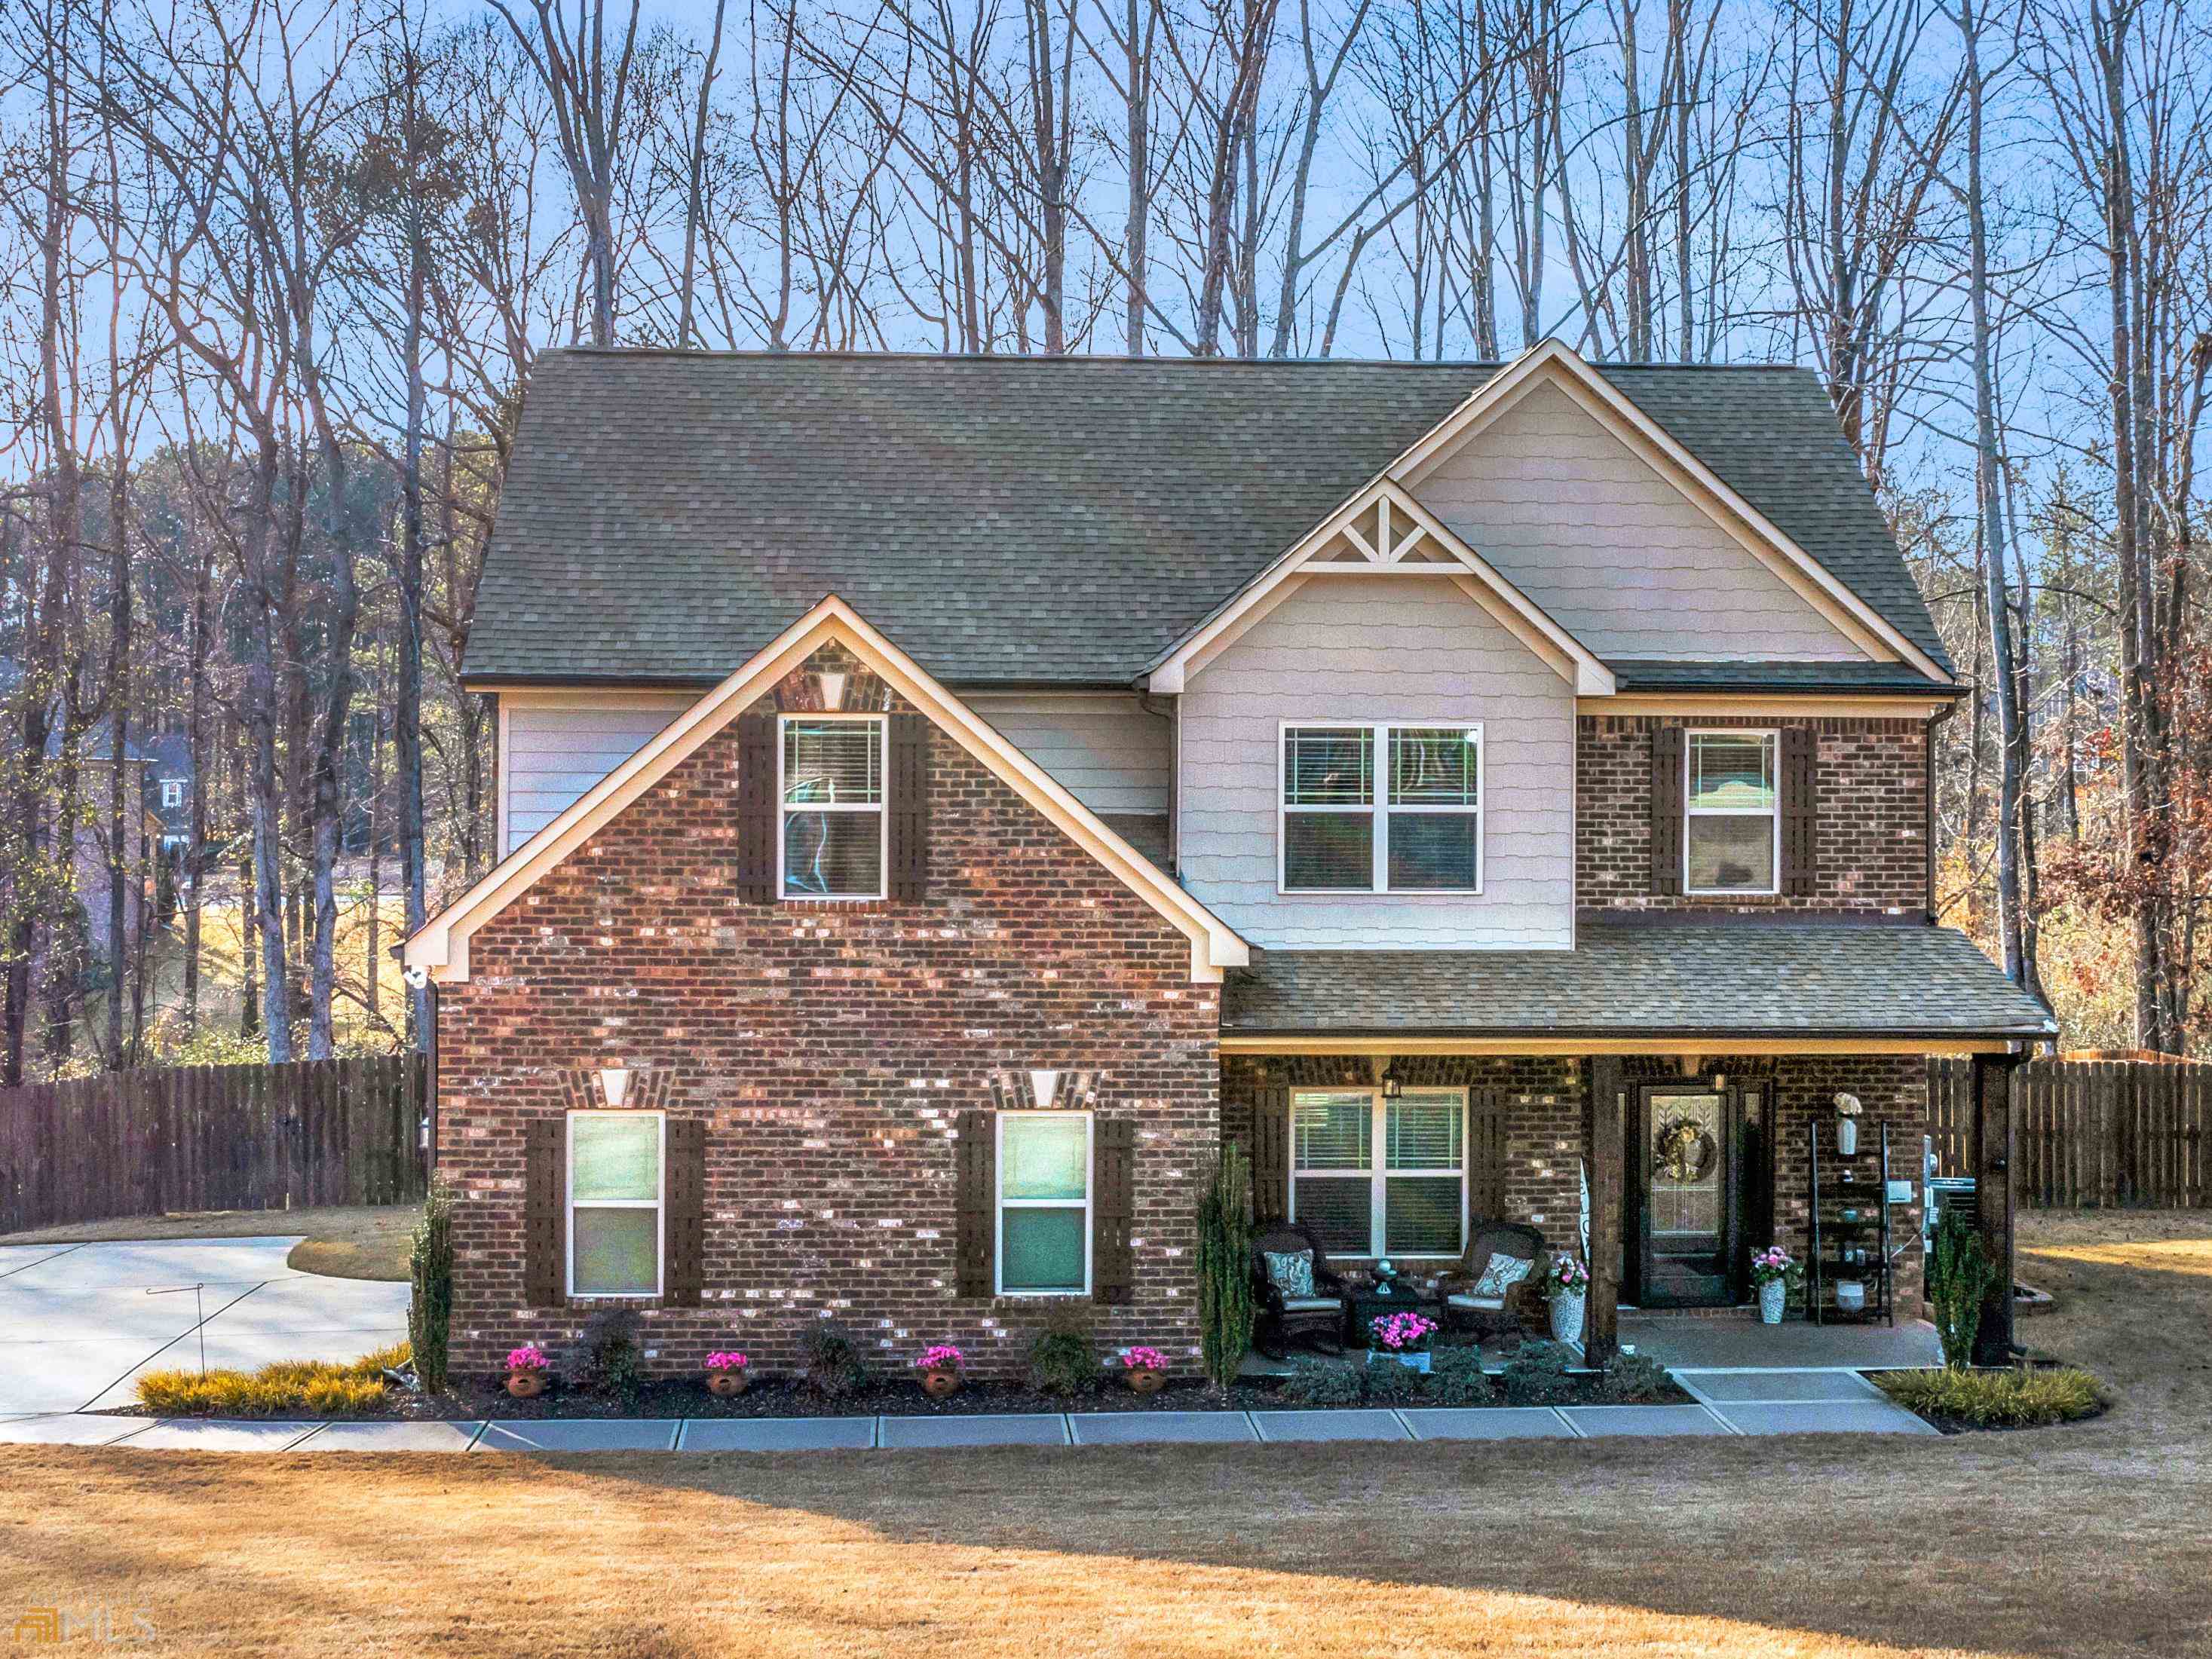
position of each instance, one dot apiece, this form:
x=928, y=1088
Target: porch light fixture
x=1392, y=1086
x=614, y=1085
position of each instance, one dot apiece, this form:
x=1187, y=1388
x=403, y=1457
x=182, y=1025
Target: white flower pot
x=1773, y=1297
x=1847, y=1135
x=1567, y=1316
x=1851, y=1297
x=1412, y=1362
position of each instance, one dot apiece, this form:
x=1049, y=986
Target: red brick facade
x=1871, y=781
x=829, y=1046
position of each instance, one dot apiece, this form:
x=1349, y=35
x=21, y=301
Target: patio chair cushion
x=1309, y=1303
x=1291, y=1271
x=1501, y=1274
x=1493, y=1303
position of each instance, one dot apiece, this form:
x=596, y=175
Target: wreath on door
x=1684, y=1150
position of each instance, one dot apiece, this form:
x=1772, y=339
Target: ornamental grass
x=314, y=1385
x=2031, y=1398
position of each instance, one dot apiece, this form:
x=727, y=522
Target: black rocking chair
x=1318, y=1317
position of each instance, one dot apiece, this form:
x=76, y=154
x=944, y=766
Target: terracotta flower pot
x=726, y=1385
x=940, y=1384
x=1146, y=1379
x=525, y=1385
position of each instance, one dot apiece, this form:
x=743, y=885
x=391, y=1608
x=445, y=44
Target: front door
x=1686, y=1187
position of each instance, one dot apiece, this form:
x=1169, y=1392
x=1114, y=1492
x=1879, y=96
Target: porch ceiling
x=1828, y=985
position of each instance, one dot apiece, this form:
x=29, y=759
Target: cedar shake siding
x=1546, y=1129
x=828, y=1052
x=1870, y=832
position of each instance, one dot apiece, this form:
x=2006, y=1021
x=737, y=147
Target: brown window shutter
x=1800, y=817
x=1271, y=1155
x=1486, y=1156
x=757, y=824
x=1113, y=1209
x=684, y=1214
x=975, y=1192
x=545, y=1212
x=1667, y=810
x=909, y=808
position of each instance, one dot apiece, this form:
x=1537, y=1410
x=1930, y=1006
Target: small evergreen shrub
x=1322, y=1382
x=430, y=1266
x=1392, y=1384
x=610, y=1357
x=2033, y=1397
x=1634, y=1379
x=834, y=1367
x=1226, y=1307
x=1960, y=1276
x=1061, y=1360
x=1536, y=1374
x=1457, y=1378
x=314, y=1386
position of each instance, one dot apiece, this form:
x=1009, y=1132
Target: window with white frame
x=615, y=1165
x=835, y=829
x=172, y=793
x=1044, y=1203
x=1374, y=1177
x=1381, y=809
x=1731, y=839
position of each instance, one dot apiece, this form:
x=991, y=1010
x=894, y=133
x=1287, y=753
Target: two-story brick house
x=944, y=798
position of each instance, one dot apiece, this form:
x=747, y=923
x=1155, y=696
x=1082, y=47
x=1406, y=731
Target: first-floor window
x=614, y=1164
x=1044, y=1203
x=1376, y=1176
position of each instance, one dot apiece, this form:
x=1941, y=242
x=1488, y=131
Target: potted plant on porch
x=727, y=1374
x=1403, y=1336
x=940, y=1371
x=525, y=1372
x=1773, y=1271
x=1847, y=1125
x=1145, y=1368
x=1569, y=1282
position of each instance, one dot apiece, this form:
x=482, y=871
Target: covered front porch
x=1395, y=1102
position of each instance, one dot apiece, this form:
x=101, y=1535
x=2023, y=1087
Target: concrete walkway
x=1752, y=1402
x=78, y=1322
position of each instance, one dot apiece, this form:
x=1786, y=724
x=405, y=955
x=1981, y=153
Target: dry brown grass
x=2086, y=1540
x=343, y=1241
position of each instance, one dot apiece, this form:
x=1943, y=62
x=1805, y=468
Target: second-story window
x=1731, y=834
x=834, y=829
x=1382, y=808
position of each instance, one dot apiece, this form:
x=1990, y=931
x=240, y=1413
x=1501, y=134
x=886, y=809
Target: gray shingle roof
x=1015, y=521
x=1743, y=979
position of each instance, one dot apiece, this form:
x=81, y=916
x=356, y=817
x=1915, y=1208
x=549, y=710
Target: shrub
x=1225, y=1267
x=1960, y=1275
x=1061, y=1360
x=1632, y=1379
x=1536, y=1374
x=2031, y=1397
x=1457, y=1378
x=430, y=1267
x=317, y=1386
x=1322, y=1382
x=834, y=1367
x=1390, y=1383
x=610, y=1357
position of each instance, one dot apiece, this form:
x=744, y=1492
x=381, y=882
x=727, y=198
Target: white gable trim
x=441, y=948
x=1404, y=529
x=1555, y=364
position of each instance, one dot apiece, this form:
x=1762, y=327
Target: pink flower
x=1402, y=1333
x=726, y=1362
x=528, y=1357
x=1145, y=1360
x=942, y=1358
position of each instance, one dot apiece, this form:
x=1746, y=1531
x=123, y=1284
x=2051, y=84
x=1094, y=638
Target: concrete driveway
x=78, y=1322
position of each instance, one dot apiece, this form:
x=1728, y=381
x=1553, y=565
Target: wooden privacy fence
x=211, y=1138
x=2089, y=1132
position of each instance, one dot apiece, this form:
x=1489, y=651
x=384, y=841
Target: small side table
x=1363, y=1307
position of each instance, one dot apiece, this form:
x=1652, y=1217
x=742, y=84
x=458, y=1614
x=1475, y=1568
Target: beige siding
x=1616, y=555
x=556, y=750
x=1373, y=648
x=1104, y=749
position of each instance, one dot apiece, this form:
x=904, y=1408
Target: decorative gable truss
x=440, y=949
x=1383, y=532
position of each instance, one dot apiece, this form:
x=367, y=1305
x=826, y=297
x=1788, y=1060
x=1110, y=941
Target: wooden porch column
x=1608, y=1151
x=1991, y=1157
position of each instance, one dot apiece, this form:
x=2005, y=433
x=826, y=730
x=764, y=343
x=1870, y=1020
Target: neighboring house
x=949, y=798
x=169, y=785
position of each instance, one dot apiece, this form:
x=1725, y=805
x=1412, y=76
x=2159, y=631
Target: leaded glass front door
x=1687, y=1187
